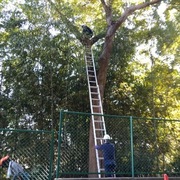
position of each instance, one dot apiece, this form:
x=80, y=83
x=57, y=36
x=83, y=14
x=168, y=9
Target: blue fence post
x=132, y=146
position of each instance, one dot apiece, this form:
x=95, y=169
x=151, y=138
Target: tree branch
x=132, y=9
x=112, y=28
x=97, y=37
x=108, y=10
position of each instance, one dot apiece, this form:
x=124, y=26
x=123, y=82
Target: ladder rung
x=101, y=158
x=98, y=113
x=99, y=138
x=98, y=121
x=96, y=105
x=99, y=129
x=102, y=169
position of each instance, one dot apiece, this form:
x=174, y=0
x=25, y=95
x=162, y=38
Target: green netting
x=144, y=147
x=32, y=149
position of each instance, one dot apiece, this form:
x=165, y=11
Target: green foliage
x=43, y=68
x=37, y=73
x=43, y=71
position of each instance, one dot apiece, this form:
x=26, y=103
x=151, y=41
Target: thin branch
x=98, y=37
x=108, y=11
x=103, y=4
x=132, y=9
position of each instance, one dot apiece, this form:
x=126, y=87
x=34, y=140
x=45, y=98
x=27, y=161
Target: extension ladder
x=99, y=129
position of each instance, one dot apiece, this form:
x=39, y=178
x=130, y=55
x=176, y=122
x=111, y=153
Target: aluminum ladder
x=98, y=123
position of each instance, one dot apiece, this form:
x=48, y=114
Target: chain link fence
x=32, y=149
x=144, y=147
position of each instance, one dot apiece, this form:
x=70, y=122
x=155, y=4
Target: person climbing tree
x=87, y=32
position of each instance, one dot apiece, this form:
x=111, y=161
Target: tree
x=116, y=13
x=112, y=26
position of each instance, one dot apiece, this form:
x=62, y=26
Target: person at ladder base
x=109, y=156
x=14, y=169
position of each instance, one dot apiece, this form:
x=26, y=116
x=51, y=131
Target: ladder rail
x=100, y=101
x=91, y=73
x=98, y=91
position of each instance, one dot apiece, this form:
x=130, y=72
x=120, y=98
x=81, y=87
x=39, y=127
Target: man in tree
x=87, y=32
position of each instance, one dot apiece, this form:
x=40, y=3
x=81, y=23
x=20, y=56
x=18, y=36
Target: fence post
x=132, y=146
x=59, y=142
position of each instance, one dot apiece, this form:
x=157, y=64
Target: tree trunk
x=92, y=154
x=103, y=64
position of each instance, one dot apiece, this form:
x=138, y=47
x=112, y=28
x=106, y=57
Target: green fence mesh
x=144, y=147
x=32, y=149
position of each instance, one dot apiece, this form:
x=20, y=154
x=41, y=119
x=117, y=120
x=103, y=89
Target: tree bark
x=103, y=64
x=92, y=154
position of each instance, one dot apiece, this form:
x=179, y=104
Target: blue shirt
x=108, y=152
